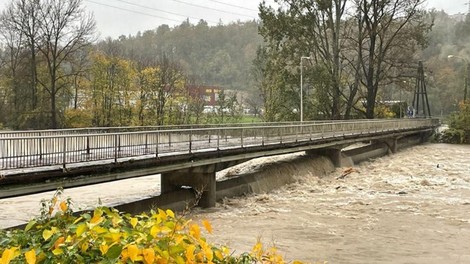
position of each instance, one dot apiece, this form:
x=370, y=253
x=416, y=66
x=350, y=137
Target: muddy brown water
x=410, y=207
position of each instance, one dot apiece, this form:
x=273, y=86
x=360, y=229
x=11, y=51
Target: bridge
x=183, y=155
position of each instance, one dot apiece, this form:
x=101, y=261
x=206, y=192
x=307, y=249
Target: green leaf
x=114, y=252
x=30, y=225
x=175, y=250
x=87, y=216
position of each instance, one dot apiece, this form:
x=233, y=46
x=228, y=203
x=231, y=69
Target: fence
x=25, y=149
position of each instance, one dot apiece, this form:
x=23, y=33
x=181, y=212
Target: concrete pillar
x=167, y=183
x=392, y=144
x=334, y=154
x=207, y=184
x=201, y=181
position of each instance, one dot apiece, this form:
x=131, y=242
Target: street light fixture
x=302, y=89
x=467, y=73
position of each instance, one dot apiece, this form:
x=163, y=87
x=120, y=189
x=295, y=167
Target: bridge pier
x=392, y=144
x=201, y=179
x=334, y=154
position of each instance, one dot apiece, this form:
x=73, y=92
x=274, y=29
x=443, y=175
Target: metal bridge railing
x=26, y=149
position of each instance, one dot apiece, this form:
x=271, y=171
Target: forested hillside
x=219, y=55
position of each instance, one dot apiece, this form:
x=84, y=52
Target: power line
x=132, y=11
x=227, y=4
x=210, y=8
x=163, y=11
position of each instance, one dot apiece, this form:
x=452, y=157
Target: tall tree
x=21, y=18
x=389, y=32
x=64, y=29
x=309, y=28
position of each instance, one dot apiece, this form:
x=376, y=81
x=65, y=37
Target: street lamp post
x=467, y=74
x=302, y=89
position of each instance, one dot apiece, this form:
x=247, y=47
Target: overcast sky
x=124, y=17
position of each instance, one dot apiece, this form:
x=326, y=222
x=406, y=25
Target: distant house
x=210, y=94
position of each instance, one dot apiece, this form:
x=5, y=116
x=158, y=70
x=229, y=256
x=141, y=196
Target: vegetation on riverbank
x=459, y=127
x=108, y=236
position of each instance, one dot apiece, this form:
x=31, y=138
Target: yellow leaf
x=190, y=253
x=225, y=250
x=257, y=249
x=195, y=231
x=104, y=248
x=170, y=213
x=113, y=236
x=100, y=230
x=7, y=255
x=207, y=225
x=124, y=255
x=30, y=256
x=63, y=206
x=116, y=219
x=179, y=239
x=134, y=222
x=57, y=251
x=162, y=214
x=154, y=231
x=218, y=255
x=81, y=229
x=96, y=219
x=84, y=247
x=133, y=251
x=209, y=254
x=199, y=257
x=46, y=234
x=149, y=255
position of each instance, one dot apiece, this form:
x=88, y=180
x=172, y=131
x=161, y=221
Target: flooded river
x=410, y=207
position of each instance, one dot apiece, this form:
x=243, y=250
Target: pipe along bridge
x=35, y=161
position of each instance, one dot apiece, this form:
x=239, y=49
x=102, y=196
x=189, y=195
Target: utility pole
x=421, y=94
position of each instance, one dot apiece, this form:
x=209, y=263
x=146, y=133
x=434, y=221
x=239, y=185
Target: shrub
x=451, y=135
x=109, y=236
x=459, y=126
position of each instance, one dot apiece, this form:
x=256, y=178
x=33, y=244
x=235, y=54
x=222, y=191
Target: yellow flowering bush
x=108, y=236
